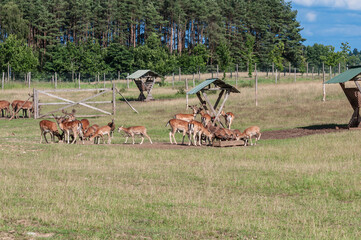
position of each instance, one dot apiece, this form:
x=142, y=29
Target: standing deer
x=26, y=106
x=195, y=128
x=248, y=133
x=47, y=126
x=5, y=108
x=85, y=123
x=188, y=117
x=70, y=127
x=91, y=131
x=178, y=125
x=101, y=131
x=137, y=130
x=205, y=117
x=228, y=117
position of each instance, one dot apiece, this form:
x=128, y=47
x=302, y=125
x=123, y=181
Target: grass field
x=300, y=188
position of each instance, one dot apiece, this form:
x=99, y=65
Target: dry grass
x=304, y=188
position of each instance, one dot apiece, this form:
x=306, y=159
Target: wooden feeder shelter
x=144, y=79
x=214, y=84
x=353, y=94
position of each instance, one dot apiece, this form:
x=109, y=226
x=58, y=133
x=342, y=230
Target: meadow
x=299, y=188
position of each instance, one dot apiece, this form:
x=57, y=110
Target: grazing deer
x=195, y=128
x=188, y=117
x=178, y=125
x=248, y=133
x=91, y=131
x=47, y=126
x=228, y=117
x=68, y=127
x=101, y=131
x=137, y=130
x=5, y=108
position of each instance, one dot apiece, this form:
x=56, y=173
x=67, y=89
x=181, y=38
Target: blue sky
x=330, y=22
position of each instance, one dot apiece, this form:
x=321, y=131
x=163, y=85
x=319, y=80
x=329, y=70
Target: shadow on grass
x=325, y=126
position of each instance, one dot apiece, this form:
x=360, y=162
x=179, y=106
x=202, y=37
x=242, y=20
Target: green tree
x=12, y=21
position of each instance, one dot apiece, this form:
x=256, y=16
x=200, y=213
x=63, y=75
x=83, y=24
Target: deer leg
x=142, y=140
x=170, y=137
x=109, y=139
x=41, y=136
x=126, y=139
x=75, y=136
x=133, y=138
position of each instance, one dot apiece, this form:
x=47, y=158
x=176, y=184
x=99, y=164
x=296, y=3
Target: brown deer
x=228, y=117
x=5, y=108
x=47, y=126
x=91, y=131
x=70, y=127
x=101, y=131
x=178, y=125
x=188, y=117
x=248, y=133
x=205, y=117
x=85, y=123
x=137, y=130
x=26, y=106
x=195, y=128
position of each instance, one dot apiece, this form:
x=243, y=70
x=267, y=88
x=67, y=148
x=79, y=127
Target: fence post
x=79, y=80
x=29, y=78
x=186, y=92
x=217, y=71
x=194, y=83
x=295, y=74
x=276, y=76
x=307, y=69
x=104, y=79
x=273, y=69
x=3, y=81
x=323, y=82
x=289, y=68
x=118, y=75
x=256, y=85
x=56, y=81
x=127, y=80
x=179, y=74
x=173, y=80
x=36, y=106
x=199, y=74
x=236, y=75
x=113, y=105
x=339, y=68
x=312, y=72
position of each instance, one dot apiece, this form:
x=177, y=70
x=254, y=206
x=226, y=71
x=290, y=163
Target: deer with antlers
x=101, y=131
x=47, y=126
x=248, y=133
x=188, y=117
x=70, y=127
x=5, y=108
x=136, y=130
x=228, y=117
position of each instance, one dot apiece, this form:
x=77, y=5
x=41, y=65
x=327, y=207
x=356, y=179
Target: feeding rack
x=214, y=84
x=353, y=94
x=144, y=79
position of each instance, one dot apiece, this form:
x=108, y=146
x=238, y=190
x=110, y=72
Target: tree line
x=91, y=36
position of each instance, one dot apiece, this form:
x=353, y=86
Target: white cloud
x=347, y=4
x=311, y=16
x=344, y=30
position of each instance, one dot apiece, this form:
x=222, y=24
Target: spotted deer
x=136, y=130
x=188, y=117
x=70, y=127
x=5, y=108
x=178, y=125
x=248, y=133
x=228, y=117
x=101, y=131
x=91, y=131
x=205, y=117
x=50, y=127
x=197, y=128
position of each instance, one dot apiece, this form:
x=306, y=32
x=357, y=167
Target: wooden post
x=289, y=68
x=186, y=82
x=199, y=74
x=127, y=80
x=273, y=69
x=56, y=80
x=79, y=80
x=339, y=68
x=173, y=80
x=236, y=75
x=36, y=103
x=312, y=72
x=29, y=78
x=323, y=82
x=179, y=74
x=330, y=73
x=8, y=72
x=256, y=85
x=307, y=69
x=114, y=100
x=194, y=83
x=118, y=75
x=104, y=79
x=217, y=71
x=295, y=74
x=276, y=76
x=52, y=79
x=3, y=81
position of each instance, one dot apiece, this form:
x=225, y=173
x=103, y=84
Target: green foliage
x=223, y=57
x=12, y=21
x=249, y=54
x=276, y=55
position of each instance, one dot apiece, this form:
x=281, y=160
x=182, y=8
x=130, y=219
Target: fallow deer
x=91, y=131
x=195, y=128
x=248, y=133
x=101, y=131
x=188, y=117
x=228, y=117
x=178, y=125
x=47, y=126
x=17, y=105
x=137, y=130
x=5, y=108
x=70, y=127
x=205, y=117
x=85, y=123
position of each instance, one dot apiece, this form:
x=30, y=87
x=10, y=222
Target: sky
x=330, y=22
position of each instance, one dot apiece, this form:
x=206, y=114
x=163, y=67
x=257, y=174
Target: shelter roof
x=217, y=82
x=348, y=75
x=143, y=73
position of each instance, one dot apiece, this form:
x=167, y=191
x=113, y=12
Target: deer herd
x=205, y=130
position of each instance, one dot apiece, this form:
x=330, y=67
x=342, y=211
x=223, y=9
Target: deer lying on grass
x=101, y=131
x=47, y=126
x=248, y=133
x=188, y=117
x=228, y=117
x=178, y=125
x=195, y=128
x=132, y=131
x=91, y=131
x=5, y=108
x=70, y=127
